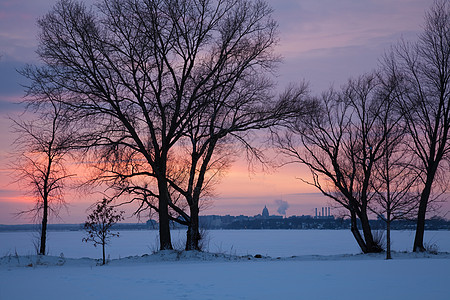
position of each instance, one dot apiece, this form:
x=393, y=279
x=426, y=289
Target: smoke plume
x=282, y=206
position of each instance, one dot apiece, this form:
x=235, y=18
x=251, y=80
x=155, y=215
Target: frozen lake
x=407, y=276
x=274, y=243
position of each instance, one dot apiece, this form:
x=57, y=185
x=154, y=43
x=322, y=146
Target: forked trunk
x=371, y=246
x=356, y=233
x=366, y=244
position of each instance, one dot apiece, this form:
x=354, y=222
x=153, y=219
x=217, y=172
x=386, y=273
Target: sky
x=322, y=42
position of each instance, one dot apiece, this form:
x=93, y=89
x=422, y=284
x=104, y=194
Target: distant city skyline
x=321, y=42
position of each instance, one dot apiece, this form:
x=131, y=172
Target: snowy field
x=326, y=266
x=274, y=243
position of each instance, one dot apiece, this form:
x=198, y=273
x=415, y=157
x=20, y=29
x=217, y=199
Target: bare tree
x=425, y=101
x=394, y=187
x=42, y=146
x=136, y=73
x=227, y=123
x=340, y=143
x=235, y=112
x=394, y=180
x=99, y=222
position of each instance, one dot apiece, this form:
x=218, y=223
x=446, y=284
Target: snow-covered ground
x=326, y=266
x=283, y=243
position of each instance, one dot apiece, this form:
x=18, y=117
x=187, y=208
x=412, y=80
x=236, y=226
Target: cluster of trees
x=158, y=95
x=380, y=144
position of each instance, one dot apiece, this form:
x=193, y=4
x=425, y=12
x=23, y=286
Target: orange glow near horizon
x=240, y=182
x=238, y=192
x=19, y=199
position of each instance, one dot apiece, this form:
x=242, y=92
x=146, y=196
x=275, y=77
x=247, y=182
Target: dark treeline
x=216, y=222
x=156, y=97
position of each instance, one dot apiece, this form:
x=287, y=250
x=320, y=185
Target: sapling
x=99, y=223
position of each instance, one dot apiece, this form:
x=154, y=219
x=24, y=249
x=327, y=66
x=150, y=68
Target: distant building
x=326, y=213
x=265, y=213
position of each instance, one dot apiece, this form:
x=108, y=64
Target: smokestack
x=316, y=212
x=322, y=212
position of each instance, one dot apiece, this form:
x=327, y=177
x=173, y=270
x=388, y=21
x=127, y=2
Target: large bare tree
x=340, y=143
x=137, y=72
x=228, y=120
x=424, y=98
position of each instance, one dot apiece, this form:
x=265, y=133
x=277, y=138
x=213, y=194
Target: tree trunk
x=421, y=214
x=103, y=250
x=388, y=236
x=165, y=242
x=193, y=234
x=371, y=246
x=356, y=233
x=44, y=227
x=420, y=225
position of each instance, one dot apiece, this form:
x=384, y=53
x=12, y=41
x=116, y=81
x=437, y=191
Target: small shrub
x=203, y=243
x=431, y=248
x=379, y=239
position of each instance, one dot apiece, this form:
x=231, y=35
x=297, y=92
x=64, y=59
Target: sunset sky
x=322, y=41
